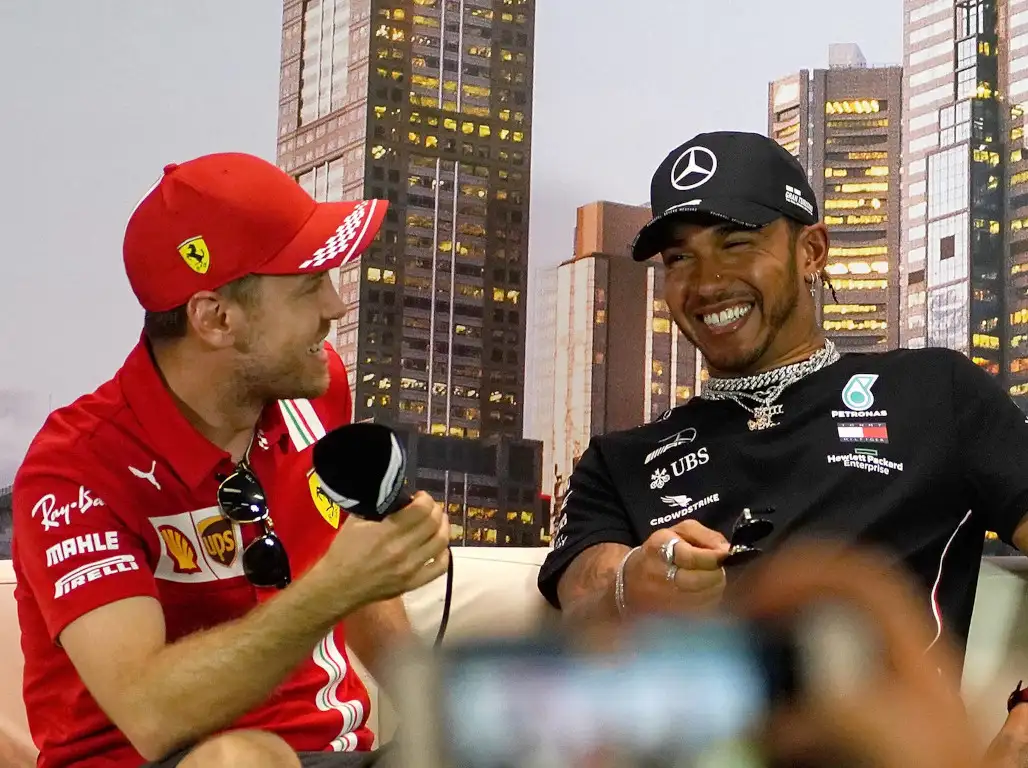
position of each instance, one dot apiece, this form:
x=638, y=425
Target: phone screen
x=684, y=696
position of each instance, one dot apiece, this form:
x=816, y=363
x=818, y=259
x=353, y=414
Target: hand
x=383, y=560
x=910, y=714
x=699, y=579
x=1010, y=747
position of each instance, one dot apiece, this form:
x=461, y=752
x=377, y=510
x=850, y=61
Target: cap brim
x=656, y=235
x=335, y=234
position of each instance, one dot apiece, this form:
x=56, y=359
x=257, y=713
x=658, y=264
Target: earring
x=815, y=280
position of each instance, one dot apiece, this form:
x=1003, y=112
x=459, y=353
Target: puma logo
x=150, y=476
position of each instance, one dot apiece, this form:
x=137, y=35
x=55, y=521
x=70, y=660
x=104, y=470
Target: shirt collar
x=178, y=443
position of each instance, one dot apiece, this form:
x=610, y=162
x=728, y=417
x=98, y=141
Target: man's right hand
x=382, y=560
x=698, y=578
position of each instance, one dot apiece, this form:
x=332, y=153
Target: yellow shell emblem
x=328, y=508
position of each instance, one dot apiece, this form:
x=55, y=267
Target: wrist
x=328, y=597
x=620, y=603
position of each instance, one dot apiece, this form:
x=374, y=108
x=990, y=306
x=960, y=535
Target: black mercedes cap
x=744, y=178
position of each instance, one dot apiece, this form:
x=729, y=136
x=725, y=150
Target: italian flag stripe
x=305, y=428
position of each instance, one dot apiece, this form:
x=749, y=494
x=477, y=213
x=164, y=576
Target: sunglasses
x=241, y=499
x=749, y=530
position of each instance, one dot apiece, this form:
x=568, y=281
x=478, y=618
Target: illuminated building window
x=850, y=309
x=390, y=33
x=683, y=393
x=857, y=268
x=374, y=274
x=855, y=106
x=855, y=325
x=877, y=170
x=864, y=250
x=860, y=285
x=425, y=21
x=849, y=203
x=1019, y=178
x=986, y=156
x=985, y=341
x=1016, y=156
x=869, y=186
x=856, y=221
x=661, y=325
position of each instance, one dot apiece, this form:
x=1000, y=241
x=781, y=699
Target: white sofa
x=495, y=594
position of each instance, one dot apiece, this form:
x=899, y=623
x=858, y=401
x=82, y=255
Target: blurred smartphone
x=688, y=694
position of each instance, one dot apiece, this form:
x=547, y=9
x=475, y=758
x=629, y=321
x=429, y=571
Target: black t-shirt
x=915, y=452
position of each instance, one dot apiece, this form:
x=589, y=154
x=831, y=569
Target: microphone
x=362, y=468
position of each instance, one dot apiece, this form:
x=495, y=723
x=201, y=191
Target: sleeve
x=74, y=553
x=591, y=513
x=992, y=434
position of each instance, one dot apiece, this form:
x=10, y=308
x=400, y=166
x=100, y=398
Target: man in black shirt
x=913, y=452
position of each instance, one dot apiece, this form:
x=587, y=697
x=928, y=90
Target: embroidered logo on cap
x=196, y=255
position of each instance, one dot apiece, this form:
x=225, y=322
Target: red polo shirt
x=116, y=498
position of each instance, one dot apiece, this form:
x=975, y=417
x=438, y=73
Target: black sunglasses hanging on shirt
x=241, y=499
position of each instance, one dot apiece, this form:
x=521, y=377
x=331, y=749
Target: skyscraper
x=539, y=418
x=844, y=125
x=428, y=104
x=620, y=361
x=966, y=193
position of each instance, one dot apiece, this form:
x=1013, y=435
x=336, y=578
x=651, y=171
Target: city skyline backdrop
x=123, y=89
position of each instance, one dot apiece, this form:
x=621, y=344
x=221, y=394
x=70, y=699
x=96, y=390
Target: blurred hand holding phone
x=821, y=663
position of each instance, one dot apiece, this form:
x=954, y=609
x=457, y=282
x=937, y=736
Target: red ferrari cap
x=220, y=217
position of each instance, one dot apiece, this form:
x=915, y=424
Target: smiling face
x=280, y=352
x=740, y=294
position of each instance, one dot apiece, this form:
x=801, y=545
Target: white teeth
x=726, y=316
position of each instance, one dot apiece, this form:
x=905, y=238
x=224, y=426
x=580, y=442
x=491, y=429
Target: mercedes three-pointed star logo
x=699, y=166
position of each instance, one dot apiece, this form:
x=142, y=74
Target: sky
x=98, y=96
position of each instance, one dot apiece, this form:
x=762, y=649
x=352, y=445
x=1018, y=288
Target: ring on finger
x=667, y=550
x=672, y=571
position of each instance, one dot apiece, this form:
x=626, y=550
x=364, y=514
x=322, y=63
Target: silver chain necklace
x=765, y=388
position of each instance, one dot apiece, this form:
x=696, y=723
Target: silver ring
x=672, y=571
x=667, y=551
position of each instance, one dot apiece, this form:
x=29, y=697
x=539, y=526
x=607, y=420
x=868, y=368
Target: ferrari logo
x=328, y=508
x=195, y=254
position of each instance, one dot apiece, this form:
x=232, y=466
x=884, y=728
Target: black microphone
x=362, y=468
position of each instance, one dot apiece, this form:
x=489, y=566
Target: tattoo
x=591, y=574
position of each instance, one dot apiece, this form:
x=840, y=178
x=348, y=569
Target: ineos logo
x=693, y=168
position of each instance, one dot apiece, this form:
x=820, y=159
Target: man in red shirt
x=157, y=623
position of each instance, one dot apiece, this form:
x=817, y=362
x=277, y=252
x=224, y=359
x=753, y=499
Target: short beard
x=777, y=315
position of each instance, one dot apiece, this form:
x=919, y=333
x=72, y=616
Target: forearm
x=586, y=590
x=206, y=681
x=372, y=632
